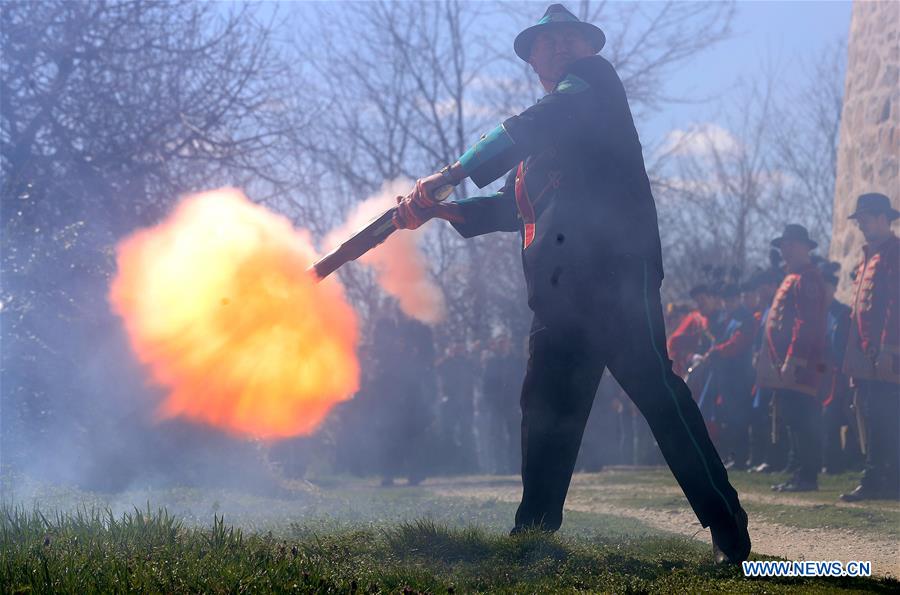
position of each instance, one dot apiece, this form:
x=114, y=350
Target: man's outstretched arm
x=471, y=216
x=585, y=104
x=486, y=214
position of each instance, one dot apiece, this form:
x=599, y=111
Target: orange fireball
x=218, y=305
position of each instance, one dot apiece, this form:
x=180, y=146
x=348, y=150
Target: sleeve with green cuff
x=486, y=214
x=575, y=109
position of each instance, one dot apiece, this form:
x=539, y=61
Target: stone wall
x=869, y=148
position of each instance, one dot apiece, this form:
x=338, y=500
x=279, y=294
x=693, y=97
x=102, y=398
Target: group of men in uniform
x=775, y=371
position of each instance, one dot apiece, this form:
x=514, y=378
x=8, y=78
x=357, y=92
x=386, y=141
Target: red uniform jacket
x=692, y=336
x=873, y=348
x=793, y=350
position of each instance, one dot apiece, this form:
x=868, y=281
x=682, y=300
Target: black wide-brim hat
x=874, y=203
x=556, y=16
x=793, y=231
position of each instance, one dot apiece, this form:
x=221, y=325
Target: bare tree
x=109, y=110
x=723, y=190
x=806, y=139
x=726, y=189
x=103, y=100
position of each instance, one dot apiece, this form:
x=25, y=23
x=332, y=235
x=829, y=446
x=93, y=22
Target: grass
x=347, y=502
x=149, y=551
x=347, y=535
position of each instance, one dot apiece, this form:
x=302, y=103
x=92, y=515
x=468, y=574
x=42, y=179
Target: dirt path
x=746, y=496
x=769, y=538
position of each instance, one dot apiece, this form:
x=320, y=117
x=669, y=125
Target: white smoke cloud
x=400, y=266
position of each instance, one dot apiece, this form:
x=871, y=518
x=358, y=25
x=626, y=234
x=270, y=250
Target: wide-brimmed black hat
x=793, y=231
x=874, y=203
x=555, y=16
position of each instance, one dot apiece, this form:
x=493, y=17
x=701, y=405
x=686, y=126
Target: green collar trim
x=571, y=84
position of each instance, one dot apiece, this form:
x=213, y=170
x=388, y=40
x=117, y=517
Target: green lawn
x=348, y=537
x=152, y=552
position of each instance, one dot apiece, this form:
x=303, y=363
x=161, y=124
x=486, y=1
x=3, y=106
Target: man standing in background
x=873, y=350
x=692, y=336
x=732, y=361
x=765, y=455
x=792, y=358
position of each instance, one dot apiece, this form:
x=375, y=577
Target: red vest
x=793, y=350
x=873, y=348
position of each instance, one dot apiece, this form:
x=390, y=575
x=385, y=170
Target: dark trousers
x=834, y=459
x=735, y=423
x=840, y=452
x=802, y=418
x=760, y=428
x=878, y=403
x=623, y=330
x=768, y=437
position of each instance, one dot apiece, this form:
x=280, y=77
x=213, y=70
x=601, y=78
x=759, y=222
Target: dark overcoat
x=577, y=190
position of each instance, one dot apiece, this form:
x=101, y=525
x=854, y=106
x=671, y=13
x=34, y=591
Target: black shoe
x=796, y=486
x=731, y=540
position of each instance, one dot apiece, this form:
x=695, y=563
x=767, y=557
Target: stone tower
x=868, y=157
